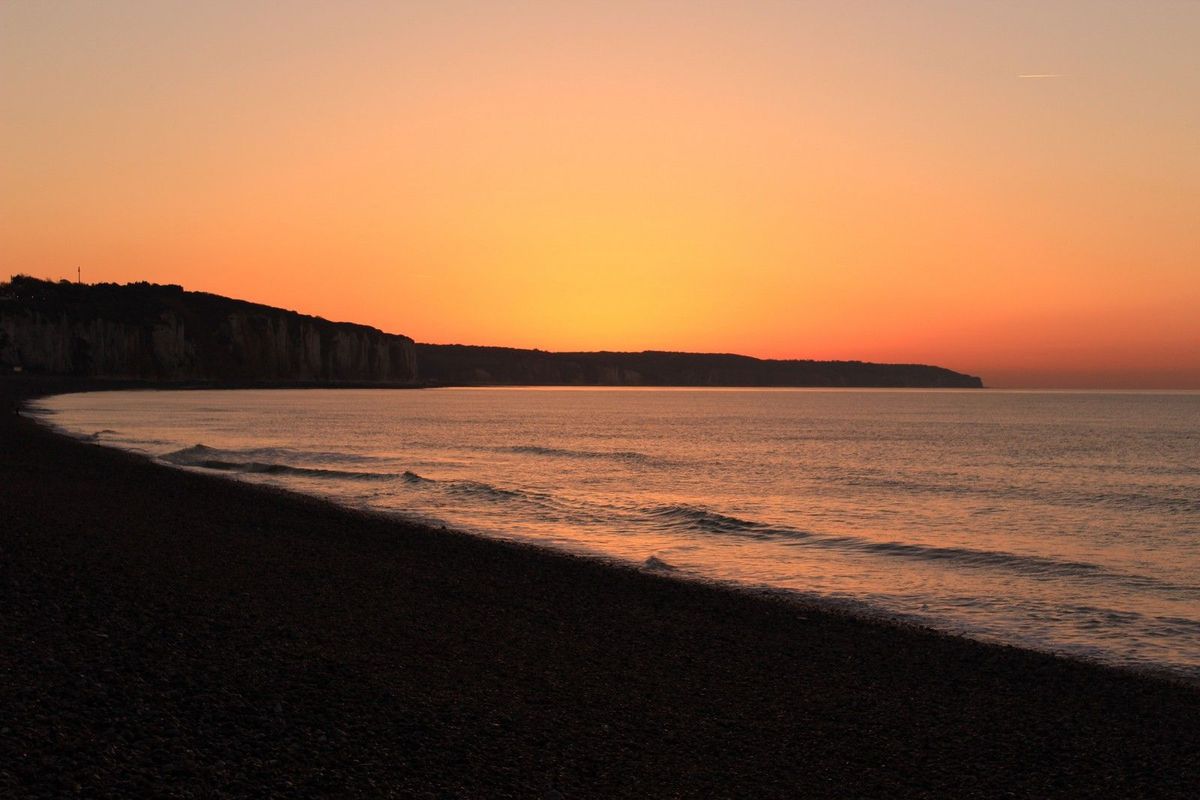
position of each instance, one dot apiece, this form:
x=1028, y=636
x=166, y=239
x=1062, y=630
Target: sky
x=1009, y=189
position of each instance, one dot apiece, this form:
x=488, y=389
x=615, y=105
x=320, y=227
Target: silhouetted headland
x=155, y=332
x=163, y=333
x=457, y=364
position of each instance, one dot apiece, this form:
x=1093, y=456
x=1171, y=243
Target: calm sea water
x=1062, y=521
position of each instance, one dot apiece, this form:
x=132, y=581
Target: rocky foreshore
x=179, y=635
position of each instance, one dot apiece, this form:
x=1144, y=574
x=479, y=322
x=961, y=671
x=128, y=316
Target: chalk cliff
x=467, y=364
x=157, y=332
x=162, y=333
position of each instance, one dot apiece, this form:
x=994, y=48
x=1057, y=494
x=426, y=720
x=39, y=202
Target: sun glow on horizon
x=819, y=181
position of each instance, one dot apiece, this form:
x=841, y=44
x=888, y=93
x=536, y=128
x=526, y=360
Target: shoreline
x=801, y=599
x=219, y=637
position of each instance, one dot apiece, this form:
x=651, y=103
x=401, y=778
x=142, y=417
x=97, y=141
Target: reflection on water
x=1065, y=521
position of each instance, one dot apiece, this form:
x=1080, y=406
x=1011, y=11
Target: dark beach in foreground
x=173, y=634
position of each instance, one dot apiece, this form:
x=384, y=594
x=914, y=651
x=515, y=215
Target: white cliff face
x=299, y=348
x=251, y=345
x=58, y=344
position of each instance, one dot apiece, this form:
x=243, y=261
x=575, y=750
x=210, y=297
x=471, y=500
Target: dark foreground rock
x=170, y=634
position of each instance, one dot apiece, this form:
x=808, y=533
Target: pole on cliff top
x=78, y=275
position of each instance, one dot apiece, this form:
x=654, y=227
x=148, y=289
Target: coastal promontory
x=163, y=333
x=470, y=365
x=154, y=332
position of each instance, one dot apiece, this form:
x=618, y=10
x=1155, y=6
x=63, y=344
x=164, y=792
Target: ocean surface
x=1067, y=522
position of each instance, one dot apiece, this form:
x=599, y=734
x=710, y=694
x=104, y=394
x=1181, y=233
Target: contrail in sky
x=1042, y=75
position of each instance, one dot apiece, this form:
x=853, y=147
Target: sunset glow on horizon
x=1010, y=190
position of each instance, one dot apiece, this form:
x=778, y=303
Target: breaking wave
x=483, y=490
x=703, y=520
x=211, y=458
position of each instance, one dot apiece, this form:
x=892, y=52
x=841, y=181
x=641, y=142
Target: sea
x=1066, y=522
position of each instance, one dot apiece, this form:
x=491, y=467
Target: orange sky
x=783, y=179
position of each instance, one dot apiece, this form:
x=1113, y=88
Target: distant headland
x=470, y=365
x=158, y=332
